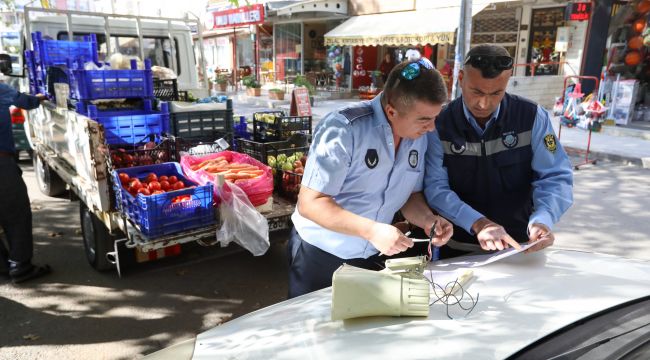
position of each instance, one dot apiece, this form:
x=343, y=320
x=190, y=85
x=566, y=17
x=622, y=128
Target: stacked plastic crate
x=49, y=53
x=122, y=101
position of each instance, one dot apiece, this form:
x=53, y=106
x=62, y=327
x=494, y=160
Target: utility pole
x=462, y=43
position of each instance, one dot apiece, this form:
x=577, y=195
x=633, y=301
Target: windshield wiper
x=575, y=353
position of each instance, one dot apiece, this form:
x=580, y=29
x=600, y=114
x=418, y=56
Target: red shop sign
x=241, y=16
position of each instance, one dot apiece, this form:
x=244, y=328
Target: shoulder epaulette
x=355, y=112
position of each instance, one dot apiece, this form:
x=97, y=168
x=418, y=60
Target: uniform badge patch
x=413, y=158
x=510, y=140
x=550, y=143
x=372, y=158
x=457, y=149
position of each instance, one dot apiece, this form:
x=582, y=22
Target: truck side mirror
x=5, y=64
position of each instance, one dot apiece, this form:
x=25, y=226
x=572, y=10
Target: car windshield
x=621, y=332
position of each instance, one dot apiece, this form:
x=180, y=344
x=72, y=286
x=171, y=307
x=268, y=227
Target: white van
x=124, y=32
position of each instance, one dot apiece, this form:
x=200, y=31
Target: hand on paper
x=492, y=236
x=541, y=232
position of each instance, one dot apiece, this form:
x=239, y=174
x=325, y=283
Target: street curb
x=599, y=155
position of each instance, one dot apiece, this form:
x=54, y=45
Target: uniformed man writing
x=494, y=166
x=365, y=164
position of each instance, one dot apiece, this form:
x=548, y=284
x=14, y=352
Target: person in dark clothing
x=15, y=209
x=494, y=165
x=386, y=66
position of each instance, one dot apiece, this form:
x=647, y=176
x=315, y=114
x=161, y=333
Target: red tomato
x=144, y=191
x=172, y=179
x=156, y=192
x=135, y=183
x=178, y=185
x=124, y=178
x=181, y=199
x=164, y=185
x=163, y=178
x=151, y=177
x=154, y=185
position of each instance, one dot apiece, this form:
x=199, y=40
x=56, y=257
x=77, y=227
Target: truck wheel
x=49, y=182
x=97, y=240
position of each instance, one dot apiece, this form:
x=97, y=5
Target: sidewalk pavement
x=613, y=143
x=617, y=144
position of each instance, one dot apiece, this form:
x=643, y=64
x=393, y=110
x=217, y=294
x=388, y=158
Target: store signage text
x=580, y=11
x=398, y=39
x=245, y=15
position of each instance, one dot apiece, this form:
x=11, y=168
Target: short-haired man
x=494, y=166
x=365, y=164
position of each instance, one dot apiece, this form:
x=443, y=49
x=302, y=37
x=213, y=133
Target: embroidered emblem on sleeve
x=550, y=143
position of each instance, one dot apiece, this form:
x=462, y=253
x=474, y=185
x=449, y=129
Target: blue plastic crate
x=130, y=126
x=112, y=84
x=59, y=52
x=156, y=215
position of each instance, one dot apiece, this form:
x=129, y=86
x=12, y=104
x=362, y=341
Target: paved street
x=77, y=313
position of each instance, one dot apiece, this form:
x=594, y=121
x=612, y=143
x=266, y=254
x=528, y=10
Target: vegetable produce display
x=153, y=184
x=147, y=154
x=295, y=162
x=233, y=172
x=291, y=178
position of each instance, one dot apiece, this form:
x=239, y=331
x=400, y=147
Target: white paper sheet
x=480, y=260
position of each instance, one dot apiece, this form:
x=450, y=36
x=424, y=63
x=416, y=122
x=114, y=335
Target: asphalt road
x=78, y=313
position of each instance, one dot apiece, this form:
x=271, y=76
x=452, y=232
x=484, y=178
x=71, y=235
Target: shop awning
x=407, y=28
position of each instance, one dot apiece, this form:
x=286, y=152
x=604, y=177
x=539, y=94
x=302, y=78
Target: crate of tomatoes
x=161, y=200
x=292, y=171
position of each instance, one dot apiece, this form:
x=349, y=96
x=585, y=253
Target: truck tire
x=97, y=240
x=49, y=182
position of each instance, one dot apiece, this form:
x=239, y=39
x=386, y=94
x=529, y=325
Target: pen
x=436, y=250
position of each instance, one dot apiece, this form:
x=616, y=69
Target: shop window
x=288, y=50
x=543, y=33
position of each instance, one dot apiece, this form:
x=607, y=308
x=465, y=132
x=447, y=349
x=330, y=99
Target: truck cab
x=156, y=44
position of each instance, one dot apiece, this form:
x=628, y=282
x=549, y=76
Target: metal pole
x=172, y=45
x=462, y=44
x=234, y=58
x=107, y=35
x=138, y=29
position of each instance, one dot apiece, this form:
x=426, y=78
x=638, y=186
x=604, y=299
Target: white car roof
x=521, y=299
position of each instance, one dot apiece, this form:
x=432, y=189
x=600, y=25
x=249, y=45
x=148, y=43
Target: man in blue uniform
x=494, y=166
x=15, y=210
x=366, y=163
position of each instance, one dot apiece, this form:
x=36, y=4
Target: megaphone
x=399, y=290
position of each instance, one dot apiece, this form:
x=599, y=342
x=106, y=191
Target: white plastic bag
x=242, y=223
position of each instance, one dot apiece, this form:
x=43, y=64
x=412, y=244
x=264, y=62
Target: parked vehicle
x=72, y=149
x=555, y=304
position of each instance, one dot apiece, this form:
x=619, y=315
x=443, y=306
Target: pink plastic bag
x=258, y=189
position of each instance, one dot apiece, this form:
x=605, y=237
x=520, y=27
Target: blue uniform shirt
x=552, y=187
x=353, y=160
x=9, y=96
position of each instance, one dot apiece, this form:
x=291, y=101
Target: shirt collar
x=472, y=120
x=379, y=116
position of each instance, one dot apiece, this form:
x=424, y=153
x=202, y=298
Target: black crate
x=261, y=151
x=274, y=126
x=204, y=125
x=129, y=155
x=165, y=89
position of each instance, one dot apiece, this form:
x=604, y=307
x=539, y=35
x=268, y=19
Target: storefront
x=626, y=86
x=235, y=39
x=390, y=37
x=299, y=46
